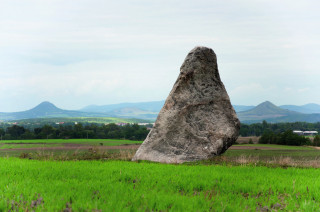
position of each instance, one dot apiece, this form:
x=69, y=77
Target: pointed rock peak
x=197, y=120
x=266, y=108
x=200, y=57
x=267, y=103
x=46, y=103
x=46, y=106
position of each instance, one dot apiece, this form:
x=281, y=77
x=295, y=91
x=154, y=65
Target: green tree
x=2, y=133
x=15, y=131
x=316, y=140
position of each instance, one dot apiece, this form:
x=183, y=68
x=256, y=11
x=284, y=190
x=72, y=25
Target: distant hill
x=145, y=110
x=272, y=113
x=247, y=114
x=149, y=111
x=308, y=108
x=239, y=108
x=154, y=106
x=100, y=120
x=48, y=110
x=141, y=110
x=134, y=112
x=267, y=109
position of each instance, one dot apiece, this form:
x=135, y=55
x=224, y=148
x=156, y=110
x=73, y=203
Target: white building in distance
x=299, y=132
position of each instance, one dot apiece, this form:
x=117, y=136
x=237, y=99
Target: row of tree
x=287, y=138
x=258, y=129
x=278, y=133
x=92, y=131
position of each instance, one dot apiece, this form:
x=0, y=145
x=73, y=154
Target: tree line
x=258, y=129
x=277, y=133
x=89, y=131
x=287, y=138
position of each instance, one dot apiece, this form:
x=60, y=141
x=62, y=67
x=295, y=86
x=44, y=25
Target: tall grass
x=27, y=185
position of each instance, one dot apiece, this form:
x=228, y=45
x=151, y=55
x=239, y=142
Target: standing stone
x=197, y=120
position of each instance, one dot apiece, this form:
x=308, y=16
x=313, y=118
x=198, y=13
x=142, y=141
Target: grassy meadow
x=130, y=186
x=247, y=177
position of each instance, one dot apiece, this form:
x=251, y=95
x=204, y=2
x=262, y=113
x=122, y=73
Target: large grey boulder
x=197, y=120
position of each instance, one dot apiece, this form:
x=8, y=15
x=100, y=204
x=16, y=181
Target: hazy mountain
x=141, y=110
x=265, y=110
x=239, y=108
x=149, y=111
x=100, y=120
x=127, y=112
x=271, y=113
x=247, y=114
x=47, y=110
x=154, y=106
x=308, y=108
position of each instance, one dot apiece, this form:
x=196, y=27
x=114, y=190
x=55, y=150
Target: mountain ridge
x=48, y=110
x=149, y=111
x=154, y=106
x=269, y=112
x=307, y=108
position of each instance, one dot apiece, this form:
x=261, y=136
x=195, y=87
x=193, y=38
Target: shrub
x=285, y=138
x=316, y=140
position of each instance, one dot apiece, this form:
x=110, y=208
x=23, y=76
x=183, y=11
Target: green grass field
x=253, y=178
x=27, y=185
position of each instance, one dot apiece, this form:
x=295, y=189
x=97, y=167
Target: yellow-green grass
x=28, y=185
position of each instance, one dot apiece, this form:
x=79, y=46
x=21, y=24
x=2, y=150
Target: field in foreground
x=27, y=185
x=78, y=149
x=248, y=177
x=58, y=147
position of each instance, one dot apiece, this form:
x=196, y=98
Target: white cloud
x=304, y=90
x=100, y=52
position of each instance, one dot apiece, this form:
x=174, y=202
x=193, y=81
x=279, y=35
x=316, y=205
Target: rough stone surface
x=197, y=120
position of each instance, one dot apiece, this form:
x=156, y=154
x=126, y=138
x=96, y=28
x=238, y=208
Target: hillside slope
x=271, y=113
x=154, y=106
x=308, y=108
x=48, y=110
x=141, y=110
x=149, y=111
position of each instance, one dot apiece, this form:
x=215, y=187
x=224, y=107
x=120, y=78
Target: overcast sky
x=78, y=53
